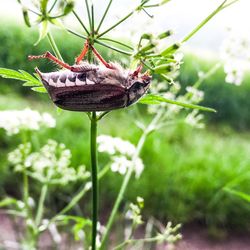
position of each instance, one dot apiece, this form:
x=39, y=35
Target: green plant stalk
x=104, y=15
x=40, y=208
x=88, y=12
x=94, y=168
x=123, y=19
x=128, y=175
x=54, y=46
x=80, y=21
x=193, y=32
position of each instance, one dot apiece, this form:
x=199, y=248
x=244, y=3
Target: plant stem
x=80, y=21
x=117, y=42
x=116, y=24
x=126, y=180
x=88, y=12
x=218, y=9
x=94, y=167
x=39, y=214
x=54, y=46
x=114, y=48
x=104, y=15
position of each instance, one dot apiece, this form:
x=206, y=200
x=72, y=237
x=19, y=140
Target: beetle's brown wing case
x=96, y=97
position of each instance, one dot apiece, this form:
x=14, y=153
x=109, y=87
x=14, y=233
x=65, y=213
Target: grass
x=186, y=169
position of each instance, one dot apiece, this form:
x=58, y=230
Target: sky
x=180, y=15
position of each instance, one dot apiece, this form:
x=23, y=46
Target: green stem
x=93, y=147
x=80, y=21
x=128, y=175
x=131, y=241
x=39, y=214
x=117, y=42
x=89, y=16
x=92, y=20
x=104, y=15
x=193, y=32
x=114, y=48
x=116, y=24
x=54, y=46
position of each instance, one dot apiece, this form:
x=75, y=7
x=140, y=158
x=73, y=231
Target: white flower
x=195, y=119
x=113, y=145
x=196, y=95
x=236, y=56
x=15, y=120
x=51, y=163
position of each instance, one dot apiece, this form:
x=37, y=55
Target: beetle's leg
x=49, y=56
x=137, y=71
x=96, y=53
x=83, y=53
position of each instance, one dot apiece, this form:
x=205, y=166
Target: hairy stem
x=94, y=167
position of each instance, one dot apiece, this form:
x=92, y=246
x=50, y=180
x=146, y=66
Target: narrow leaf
x=157, y=99
x=39, y=89
x=241, y=195
x=7, y=201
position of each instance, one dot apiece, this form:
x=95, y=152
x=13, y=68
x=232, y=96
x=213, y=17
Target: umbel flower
x=13, y=121
x=122, y=154
x=50, y=165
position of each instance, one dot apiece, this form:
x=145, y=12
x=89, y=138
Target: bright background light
x=179, y=15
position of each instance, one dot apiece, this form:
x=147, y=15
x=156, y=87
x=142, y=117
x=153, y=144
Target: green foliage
x=157, y=99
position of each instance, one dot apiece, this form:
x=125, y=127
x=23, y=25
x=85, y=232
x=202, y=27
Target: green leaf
x=7, y=201
x=241, y=195
x=39, y=89
x=20, y=75
x=157, y=99
x=43, y=31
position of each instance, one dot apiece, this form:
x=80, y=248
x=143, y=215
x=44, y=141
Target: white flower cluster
x=51, y=164
x=122, y=153
x=235, y=52
x=196, y=95
x=15, y=120
x=194, y=119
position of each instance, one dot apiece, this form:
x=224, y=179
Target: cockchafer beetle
x=90, y=87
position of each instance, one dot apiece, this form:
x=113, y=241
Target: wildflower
x=235, y=54
x=14, y=121
x=122, y=153
x=113, y=145
x=51, y=164
x=194, y=119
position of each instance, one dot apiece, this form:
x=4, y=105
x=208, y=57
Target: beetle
x=90, y=87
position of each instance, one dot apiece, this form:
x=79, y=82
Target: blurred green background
x=186, y=169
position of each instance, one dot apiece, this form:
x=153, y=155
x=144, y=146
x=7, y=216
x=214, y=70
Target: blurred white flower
x=122, y=153
x=235, y=53
x=195, y=119
x=114, y=145
x=234, y=73
x=15, y=120
x=50, y=164
x=195, y=95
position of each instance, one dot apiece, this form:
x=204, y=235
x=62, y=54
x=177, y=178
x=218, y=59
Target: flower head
x=13, y=121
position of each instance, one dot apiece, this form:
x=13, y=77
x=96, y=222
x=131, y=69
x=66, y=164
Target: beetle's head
x=142, y=79
x=138, y=87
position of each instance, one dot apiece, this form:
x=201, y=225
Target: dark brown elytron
x=90, y=87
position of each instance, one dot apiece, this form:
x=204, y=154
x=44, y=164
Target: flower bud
x=166, y=34
x=171, y=49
